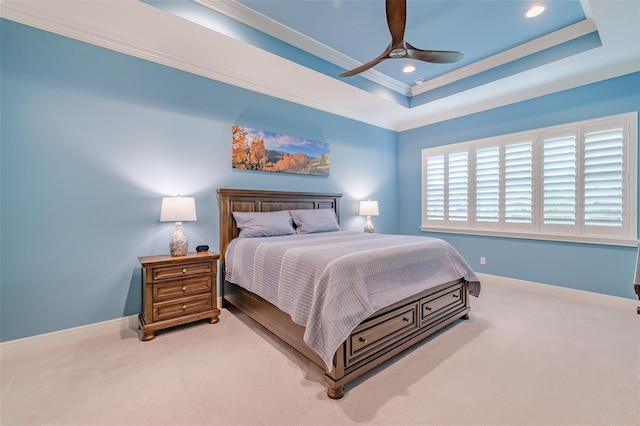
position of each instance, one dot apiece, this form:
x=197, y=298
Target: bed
x=379, y=336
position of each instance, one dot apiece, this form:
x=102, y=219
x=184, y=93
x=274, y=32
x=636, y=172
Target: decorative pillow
x=264, y=224
x=315, y=220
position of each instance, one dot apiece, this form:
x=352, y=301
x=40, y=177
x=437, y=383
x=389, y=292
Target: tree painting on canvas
x=272, y=152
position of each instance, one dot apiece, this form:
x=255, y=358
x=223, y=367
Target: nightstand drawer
x=176, y=289
x=183, y=270
x=181, y=307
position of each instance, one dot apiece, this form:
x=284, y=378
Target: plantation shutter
x=574, y=182
x=435, y=188
x=518, y=196
x=458, y=191
x=603, y=178
x=559, y=176
x=488, y=184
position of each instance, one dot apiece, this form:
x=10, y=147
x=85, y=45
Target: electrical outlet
x=483, y=260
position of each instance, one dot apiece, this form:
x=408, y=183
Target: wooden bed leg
x=335, y=393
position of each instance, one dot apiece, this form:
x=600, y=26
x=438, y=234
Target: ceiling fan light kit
x=535, y=10
x=399, y=48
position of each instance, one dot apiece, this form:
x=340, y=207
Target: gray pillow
x=264, y=224
x=315, y=220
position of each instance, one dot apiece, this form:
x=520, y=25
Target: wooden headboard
x=249, y=200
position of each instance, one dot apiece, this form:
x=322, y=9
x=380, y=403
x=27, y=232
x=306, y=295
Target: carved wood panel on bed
x=383, y=335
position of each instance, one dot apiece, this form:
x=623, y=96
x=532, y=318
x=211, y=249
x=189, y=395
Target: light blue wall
x=596, y=268
x=91, y=140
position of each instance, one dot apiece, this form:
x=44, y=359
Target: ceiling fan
x=396, y=19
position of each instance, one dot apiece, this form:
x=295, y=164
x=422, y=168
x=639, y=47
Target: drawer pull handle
x=405, y=319
x=455, y=296
x=184, y=288
x=184, y=270
x=363, y=340
x=184, y=307
x=427, y=308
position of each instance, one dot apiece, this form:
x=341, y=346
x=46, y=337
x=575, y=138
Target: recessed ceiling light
x=535, y=10
x=419, y=80
x=409, y=68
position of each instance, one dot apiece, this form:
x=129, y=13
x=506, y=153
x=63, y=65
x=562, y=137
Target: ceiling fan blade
x=434, y=56
x=396, y=19
x=370, y=64
x=399, y=48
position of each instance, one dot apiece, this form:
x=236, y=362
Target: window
x=488, y=185
x=559, y=180
x=458, y=190
x=603, y=178
x=435, y=187
x=518, y=183
x=575, y=182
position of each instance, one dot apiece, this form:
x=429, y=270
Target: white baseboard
x=125, y=327
x=570, y=293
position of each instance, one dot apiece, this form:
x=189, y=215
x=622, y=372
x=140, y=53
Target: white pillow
x=315, y=220
x=264, y=224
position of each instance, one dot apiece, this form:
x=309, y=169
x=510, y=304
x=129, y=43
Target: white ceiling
x=194, y=38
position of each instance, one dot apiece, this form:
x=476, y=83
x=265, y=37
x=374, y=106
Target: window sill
x=581, y=239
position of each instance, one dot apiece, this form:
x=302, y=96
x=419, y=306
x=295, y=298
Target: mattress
x=330, y=282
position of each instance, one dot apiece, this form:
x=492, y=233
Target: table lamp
x=178, y=209
x=368, y=209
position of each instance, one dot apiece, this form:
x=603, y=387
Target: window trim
x=537, y=230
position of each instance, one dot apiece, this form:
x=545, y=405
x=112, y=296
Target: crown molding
x=172, y=41
x=572, y=32
x=536, y=91
x=261, y=22
x=46, y=15
x=267, y=25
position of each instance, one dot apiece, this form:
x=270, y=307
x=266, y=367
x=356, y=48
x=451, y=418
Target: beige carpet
x=524, y=358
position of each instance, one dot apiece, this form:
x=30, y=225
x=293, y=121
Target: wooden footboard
x=376, y=340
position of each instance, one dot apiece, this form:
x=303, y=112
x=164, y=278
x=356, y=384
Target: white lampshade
x=178, y=209
x=369, y=208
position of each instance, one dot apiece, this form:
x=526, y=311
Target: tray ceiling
x=295, y=50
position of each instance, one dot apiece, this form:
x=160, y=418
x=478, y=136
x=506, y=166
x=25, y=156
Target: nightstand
x=178, y=290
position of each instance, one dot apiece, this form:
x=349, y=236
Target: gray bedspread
x=330, y=282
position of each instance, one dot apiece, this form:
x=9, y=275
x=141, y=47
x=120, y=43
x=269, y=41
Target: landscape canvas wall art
x=273, y=152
